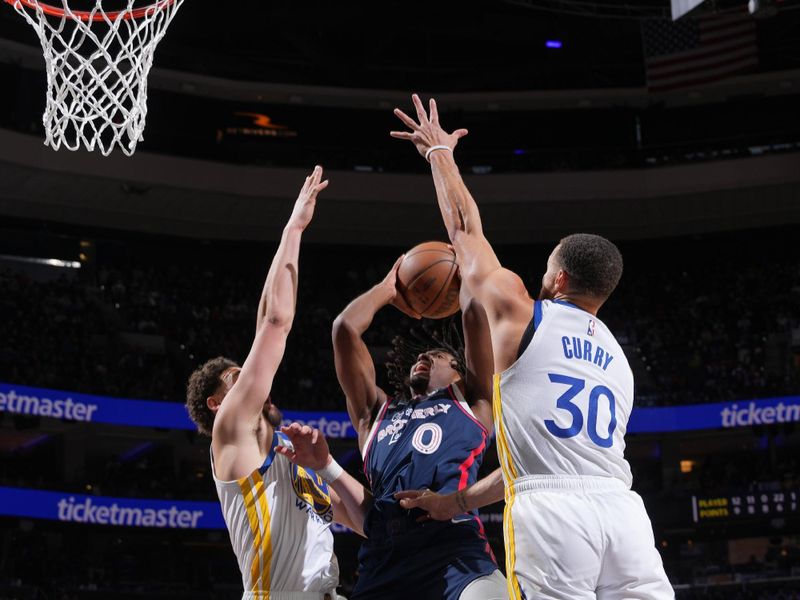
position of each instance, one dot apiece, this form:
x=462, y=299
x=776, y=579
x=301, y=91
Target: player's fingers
x=396, y=264
x=290, y=428
x=406, y=119
x=314, y=436
x=290, y=454
x=305, y=430
x=400, y=302
x=408, y=494
x=318, y=188
x=423, y=118
x=401, y=135
x=459, y=133
x=434, y=111
x=408, y=503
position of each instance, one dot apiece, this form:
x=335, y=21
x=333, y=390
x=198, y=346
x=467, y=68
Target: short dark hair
x=203, y=383
x=442, y=337
x=593, y=263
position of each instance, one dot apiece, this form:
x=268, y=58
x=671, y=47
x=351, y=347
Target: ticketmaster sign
x=59, y=404
x=769, y=411
x=103, y=510
x=172, y=415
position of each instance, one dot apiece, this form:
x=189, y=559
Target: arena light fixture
x=49, y=262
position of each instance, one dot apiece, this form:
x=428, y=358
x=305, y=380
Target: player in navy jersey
x=431, y=434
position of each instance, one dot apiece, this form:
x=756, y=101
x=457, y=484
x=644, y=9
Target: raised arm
x=239, y=413
x=479, y=357
x=355, y=368
x=501, y=292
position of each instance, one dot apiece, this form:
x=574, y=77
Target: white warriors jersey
x=562, y=408
x=279, y=520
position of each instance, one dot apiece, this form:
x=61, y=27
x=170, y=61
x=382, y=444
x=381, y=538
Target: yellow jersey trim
x=255, y=501
x=510, y=475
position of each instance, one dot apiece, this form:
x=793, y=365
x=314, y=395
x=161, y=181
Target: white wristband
x=433, y=149
x=331, y=472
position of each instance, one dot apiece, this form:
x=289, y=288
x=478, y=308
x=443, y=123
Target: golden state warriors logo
x=313, y=491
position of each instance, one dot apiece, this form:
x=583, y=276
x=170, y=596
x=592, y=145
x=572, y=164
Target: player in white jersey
x=563, y=392
x=278, y=514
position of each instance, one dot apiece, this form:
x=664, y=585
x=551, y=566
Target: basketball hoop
x=97, y=65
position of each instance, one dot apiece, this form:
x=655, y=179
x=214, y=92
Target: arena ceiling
x=442, y=46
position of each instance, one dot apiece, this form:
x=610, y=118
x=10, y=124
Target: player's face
x=270, y=412
x=548, y=291
x=433, y=370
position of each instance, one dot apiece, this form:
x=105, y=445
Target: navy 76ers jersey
x=435, y=443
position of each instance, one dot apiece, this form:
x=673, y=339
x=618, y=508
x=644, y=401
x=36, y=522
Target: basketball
x=428, y=280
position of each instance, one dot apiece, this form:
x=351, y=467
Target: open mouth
x=420, y=368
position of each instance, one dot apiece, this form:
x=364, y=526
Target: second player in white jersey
x=572, y=391
x=279, y=519
x=278, y=514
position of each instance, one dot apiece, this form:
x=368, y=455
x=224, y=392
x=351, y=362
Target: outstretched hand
x=310, y=447
x=307, y=199
x=396, y=298
x=427, y=132
x=437, y=506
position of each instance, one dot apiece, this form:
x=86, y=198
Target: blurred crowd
x=700, y=319
x=703, y=322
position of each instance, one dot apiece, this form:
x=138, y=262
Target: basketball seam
x=439, y=250
x=447, y=281
x=425, y=270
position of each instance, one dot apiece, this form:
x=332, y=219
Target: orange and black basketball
x=428, y=280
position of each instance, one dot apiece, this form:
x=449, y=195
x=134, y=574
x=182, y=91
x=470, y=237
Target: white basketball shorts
x=574, y=538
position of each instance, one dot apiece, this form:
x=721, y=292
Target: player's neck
x=433, y=390
x=582, y=302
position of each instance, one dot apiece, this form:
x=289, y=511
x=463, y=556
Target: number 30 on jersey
x=566, y=402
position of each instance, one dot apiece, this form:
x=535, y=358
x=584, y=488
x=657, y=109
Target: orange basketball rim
x=92, y=15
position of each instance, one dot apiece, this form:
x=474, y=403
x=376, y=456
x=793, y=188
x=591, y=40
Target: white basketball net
x=97, y=71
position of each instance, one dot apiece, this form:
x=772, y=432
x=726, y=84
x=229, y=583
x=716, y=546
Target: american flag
x=693, y=52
